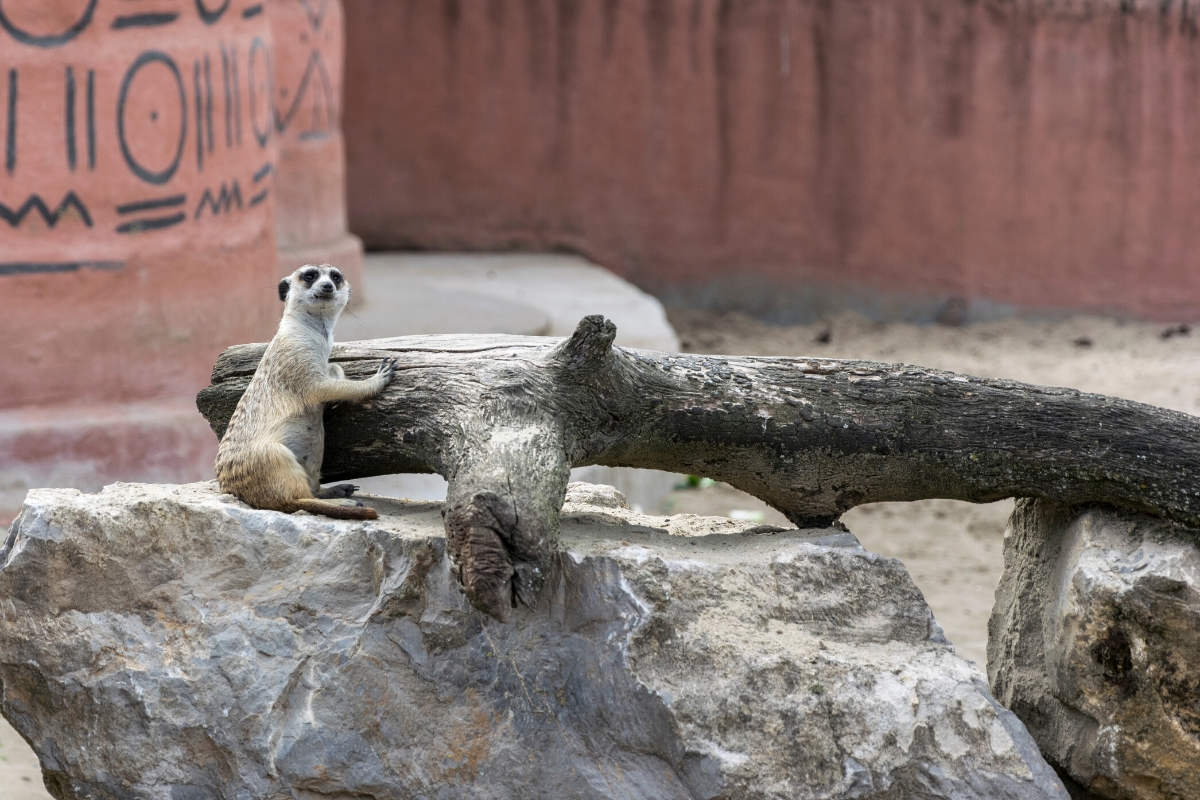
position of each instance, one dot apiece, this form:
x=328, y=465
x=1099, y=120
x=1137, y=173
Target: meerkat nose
x=327, y=287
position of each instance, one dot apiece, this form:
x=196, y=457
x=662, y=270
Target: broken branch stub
x=505, y=418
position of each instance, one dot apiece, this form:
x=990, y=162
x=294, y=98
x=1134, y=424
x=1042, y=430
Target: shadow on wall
x=1029, y=154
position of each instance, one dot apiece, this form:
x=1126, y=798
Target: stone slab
x=1094, y=642
x=168, y=643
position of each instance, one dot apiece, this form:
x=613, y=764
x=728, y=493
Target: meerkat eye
x=310, y=276
x=336, y=277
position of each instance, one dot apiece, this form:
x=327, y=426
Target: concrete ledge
x=562, y=287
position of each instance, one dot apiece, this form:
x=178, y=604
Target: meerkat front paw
x=387, y=368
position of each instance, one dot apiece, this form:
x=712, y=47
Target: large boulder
x=1094, y=642
x=168, y=643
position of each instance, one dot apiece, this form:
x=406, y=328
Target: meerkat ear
x=284, y=285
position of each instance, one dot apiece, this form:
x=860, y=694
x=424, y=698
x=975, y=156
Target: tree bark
x=505, y=418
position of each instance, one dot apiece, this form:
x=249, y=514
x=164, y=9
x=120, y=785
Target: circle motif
x=151, y=176
x=52, y=39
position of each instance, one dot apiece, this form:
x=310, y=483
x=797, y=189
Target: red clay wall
x=1039, y=154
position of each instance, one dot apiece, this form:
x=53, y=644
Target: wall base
x=86, y=447
x=781, y=303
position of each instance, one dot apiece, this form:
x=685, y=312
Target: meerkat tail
x=334, y=510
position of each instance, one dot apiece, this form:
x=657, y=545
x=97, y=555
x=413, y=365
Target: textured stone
x=1094, y=643
x=168, y=643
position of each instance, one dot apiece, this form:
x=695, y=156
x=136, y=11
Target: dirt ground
x=954, y=550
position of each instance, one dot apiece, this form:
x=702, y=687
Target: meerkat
x=270, y=456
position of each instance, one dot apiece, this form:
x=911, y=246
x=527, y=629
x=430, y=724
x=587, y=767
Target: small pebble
x=1182, y=329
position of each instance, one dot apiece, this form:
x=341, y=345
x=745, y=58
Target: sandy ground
x=20, y=775
x=952, y=549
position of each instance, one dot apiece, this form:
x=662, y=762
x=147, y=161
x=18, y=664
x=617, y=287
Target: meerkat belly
x=304, y=435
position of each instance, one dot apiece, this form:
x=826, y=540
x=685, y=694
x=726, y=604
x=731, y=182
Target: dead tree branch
x=505, y=418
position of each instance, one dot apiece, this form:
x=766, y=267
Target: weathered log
x=505, y=418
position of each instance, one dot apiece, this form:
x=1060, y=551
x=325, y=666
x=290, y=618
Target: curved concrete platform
x=453, y=286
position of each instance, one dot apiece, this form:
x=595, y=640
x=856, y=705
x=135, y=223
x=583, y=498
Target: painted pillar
x=137, y=160
x=310, y=205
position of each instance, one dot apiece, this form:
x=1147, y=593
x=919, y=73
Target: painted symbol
x=233, y=96
x=316, y=82
x=260, y=175
x=228, y=97
x=90, y=114
x=47, y=39
x=10, y=138
x=212, y=16
x=208, y=102
x=51, y=218
x=203, y=93
x=260, y=77
x=70, y=118
x=224, y=201
x=152, y=223
x=149, y=20
x=91, y=118
x=34, y=267
x=198, y=93
x=315, y=13
x=144, y=117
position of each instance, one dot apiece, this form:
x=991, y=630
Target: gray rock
x=1094, y=642
x=168, y=643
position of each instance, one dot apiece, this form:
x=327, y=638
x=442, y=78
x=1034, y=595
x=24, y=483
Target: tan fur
x=270, y=456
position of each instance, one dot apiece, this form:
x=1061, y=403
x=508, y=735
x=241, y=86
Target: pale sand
x=20, y=775
x=953, y=550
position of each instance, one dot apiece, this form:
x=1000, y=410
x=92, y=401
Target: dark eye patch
x=336, y=277
x=309, y=276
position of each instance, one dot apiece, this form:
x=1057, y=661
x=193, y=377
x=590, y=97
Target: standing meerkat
x=270, y=456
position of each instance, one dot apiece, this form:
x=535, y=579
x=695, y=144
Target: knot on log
x=485, y=541
x=589, y=347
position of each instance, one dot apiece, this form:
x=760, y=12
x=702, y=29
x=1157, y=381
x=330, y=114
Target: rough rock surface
x=1094, y=642
x=168, y=643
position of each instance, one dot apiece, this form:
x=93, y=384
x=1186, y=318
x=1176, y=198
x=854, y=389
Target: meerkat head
x=316, y=289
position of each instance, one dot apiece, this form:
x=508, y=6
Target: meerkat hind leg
x=338, y=491
x=284, y=479
x=290, y=490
